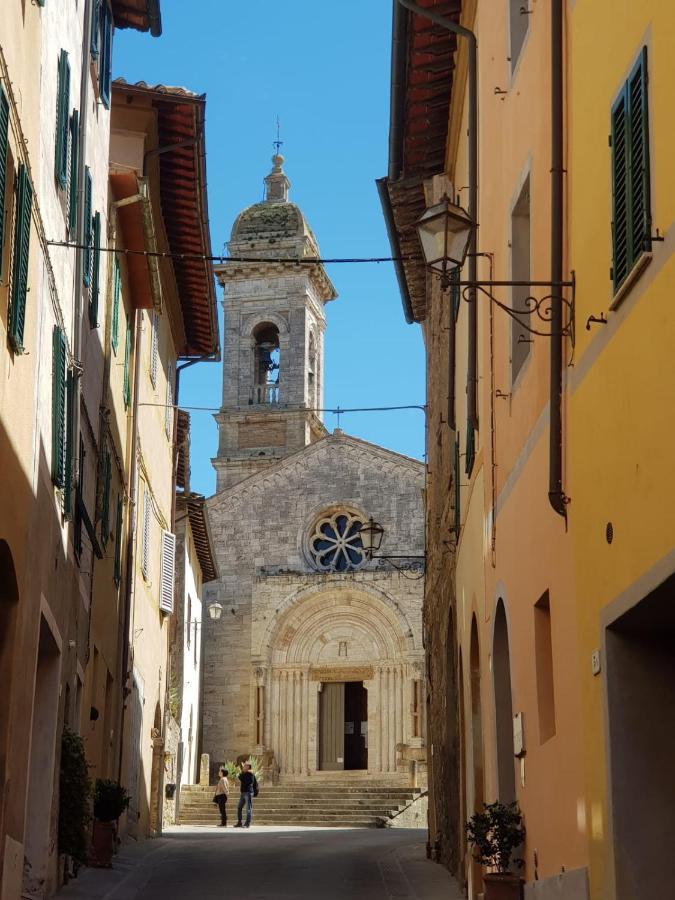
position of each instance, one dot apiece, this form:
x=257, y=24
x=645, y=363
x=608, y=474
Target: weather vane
x=278, y=142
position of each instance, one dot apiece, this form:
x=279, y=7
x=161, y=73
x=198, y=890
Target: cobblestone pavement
x=271, y=864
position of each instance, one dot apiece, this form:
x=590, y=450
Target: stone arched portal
x=334, y=635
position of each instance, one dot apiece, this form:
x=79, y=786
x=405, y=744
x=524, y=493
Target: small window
x=519, y=22
x=266, y=363
x=520, y=271
x=543, y=649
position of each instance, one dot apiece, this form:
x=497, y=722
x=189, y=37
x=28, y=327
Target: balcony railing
x=266, y=394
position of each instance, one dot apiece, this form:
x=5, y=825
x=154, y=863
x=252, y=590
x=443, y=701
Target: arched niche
x=9, y=604
x=501, y=666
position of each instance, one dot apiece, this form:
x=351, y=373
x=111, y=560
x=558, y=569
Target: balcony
x=265, y=395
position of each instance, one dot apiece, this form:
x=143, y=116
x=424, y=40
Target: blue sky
x=324, y=69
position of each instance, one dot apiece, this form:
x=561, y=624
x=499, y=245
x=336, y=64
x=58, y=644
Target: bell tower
x=273, y=301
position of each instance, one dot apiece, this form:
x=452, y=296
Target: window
x=74, y=157
x=519, y=22
x=266, y=363
x=145, y=536
x=4, y=155
x=58, y=407
x=127, y=355
x=17, y=313
x=168, y=417
x=335, y=543
x=631, y=202
x=543, y=652
x=102, y=26
x=168, y=571
x=457, y=490
x=62, y=123
x=95, y=270
x=154, y=348
x=88, y=234
x=79, y=504
x=520, y=271
x=105, y=504
x=117, y=570
x=116, y=288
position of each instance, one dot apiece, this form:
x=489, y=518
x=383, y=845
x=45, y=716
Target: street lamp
x=215, y=610
x=371, y=537
x=445, y=231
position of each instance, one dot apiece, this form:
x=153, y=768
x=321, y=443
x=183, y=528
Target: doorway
x=343, y=716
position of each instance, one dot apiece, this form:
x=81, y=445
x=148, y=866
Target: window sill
x=638, y=268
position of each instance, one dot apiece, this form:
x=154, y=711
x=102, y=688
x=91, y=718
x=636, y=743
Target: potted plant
x=110, y=801
x=495, y=833
x=74, y=802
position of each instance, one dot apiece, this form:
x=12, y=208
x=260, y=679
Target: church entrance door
x=343, y=714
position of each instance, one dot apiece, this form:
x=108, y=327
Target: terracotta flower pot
x=102, y=844
x=503, y=886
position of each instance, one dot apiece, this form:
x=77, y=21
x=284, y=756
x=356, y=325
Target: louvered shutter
x=95, y=27
x=17, y=313
x=58, y=406
x=470, y=448
x=117, y=571
x=127, y=378
x=68, y=474
x=62, y=106
x=456, y=481
x=620, y=248
x=638, y=131
x=145, y=545
x=105, y=64
x=74, y=160
x=117, y=284
x=155, y=348
x=95, y=269
x=4, y=139
x=105, y=505
x=168, y=570
x=87, y=255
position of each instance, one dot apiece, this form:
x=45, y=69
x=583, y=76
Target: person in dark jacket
x=249, y=789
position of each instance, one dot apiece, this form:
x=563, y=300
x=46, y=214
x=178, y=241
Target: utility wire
x=305, y=261
x=338, y=411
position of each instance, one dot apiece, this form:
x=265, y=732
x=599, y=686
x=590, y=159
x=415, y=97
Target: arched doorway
x=9, y=603
x=476, y=745
x=452, y=746
x=501, y=664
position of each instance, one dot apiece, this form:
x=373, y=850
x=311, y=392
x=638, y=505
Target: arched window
x=265, y=364
x=312, y=374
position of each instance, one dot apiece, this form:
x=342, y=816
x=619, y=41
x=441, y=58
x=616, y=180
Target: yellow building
x=621, y=439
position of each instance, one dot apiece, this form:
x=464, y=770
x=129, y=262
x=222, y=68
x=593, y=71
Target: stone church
x=316, y=664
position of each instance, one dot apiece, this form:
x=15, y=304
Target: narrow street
x=271, y=864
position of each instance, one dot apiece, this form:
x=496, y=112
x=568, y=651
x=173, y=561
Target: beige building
x=317, y=663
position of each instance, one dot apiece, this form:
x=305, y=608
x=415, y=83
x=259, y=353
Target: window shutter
x=638, y=130
x=470, y=448
x=105, y=505
x=155, y=348
x=168, y=569
x=20, y=262
x=457, y=489
x=74, y=160
x=145, y=547
x=168, y=416
x=62, y=104
x=86, y=256
x=4, y=138
x=58, y=406
x=127, y=354
x=95, y=270
x=68, y=474
x=105, y=65
x=95, y=27
x=117, y=571
x=117, y=283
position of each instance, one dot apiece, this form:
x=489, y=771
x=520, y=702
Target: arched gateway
x=316, y=663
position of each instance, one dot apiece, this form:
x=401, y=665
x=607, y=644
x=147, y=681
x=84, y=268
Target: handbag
x=215, y=798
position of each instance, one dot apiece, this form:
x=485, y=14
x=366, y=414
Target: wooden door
x=332, y=726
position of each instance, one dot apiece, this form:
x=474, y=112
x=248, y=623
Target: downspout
x=556, y=495
x=472, y=361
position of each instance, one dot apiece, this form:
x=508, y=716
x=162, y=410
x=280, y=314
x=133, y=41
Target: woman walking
x=220, y=797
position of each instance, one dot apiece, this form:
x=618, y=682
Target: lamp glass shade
x=445, y=234
x=371, y=536
x=215, y=610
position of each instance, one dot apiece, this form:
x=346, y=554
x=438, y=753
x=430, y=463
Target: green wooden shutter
x=638, y=155
x=4, y=140
x=117, y=282
x=95, y=270
x=455, y=475
x=105, y=65
x=117, y=571
x=74, y=154
x=470, y=448
x=86, y=255
x=95, y=27
x=127, y=354
x=620, y=248
x=58, y=406
x=62, y=105
x=105, y=505
x=17, y=312
x=68, y=474
x=40, y=2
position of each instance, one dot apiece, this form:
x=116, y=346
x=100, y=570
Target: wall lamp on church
x=445, y=232
x=371, y=534
x=215, y=610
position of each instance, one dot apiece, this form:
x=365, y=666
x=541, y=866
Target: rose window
x=335, y=544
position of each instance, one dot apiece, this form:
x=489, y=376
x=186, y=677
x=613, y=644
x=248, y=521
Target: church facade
x=316, y=664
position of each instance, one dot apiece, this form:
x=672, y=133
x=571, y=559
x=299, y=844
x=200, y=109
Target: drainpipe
x=472, y=377
x=556, y=495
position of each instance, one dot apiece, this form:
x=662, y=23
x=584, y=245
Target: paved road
x=271, y=864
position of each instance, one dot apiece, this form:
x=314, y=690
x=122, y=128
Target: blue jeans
x=247, y=801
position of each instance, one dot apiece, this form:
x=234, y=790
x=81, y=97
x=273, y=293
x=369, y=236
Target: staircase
x=336, y=804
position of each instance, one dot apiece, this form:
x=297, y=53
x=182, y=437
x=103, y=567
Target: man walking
x=249, y=789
